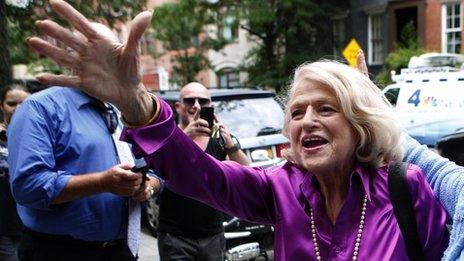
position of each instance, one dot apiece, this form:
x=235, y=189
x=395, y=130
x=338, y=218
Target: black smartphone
x=207, y=114
x=142, y=169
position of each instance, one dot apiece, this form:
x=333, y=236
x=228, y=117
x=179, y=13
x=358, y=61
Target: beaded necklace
x=358, y=236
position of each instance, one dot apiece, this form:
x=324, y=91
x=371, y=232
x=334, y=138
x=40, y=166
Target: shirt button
x=337, y=249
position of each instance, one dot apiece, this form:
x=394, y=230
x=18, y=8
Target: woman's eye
x=327, y=109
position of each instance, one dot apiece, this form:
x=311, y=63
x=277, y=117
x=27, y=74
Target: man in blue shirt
x=71, y=191
x=71, y=178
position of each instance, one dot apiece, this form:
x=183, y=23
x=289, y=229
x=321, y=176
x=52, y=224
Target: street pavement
x=148, y=249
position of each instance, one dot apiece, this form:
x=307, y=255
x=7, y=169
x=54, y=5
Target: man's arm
x=238, y=156
x=232, y=147
x=118, y=180
x=445, y=177
x=36, y=182
x=447, y=181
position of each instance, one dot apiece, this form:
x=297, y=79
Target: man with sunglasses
x=72, y=179
x=188, y=229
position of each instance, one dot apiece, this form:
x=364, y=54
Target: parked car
x=254, y=116
x=452, y=147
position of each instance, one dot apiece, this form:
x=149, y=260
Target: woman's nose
x=310, y=118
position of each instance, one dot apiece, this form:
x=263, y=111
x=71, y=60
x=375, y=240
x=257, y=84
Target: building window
x=228, y=78
x=451, y=24
x=338, y=29
x=229, y=28
x=375, y=42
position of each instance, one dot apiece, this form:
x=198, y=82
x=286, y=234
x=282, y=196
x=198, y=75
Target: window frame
x=445, y=32
x=380, y=40
x=339, y=33
x=227, y=72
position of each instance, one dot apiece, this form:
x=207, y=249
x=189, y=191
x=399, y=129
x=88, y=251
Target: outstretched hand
x=102, y=67
x=361, y=63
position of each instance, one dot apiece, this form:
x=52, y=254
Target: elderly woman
x=330, y=201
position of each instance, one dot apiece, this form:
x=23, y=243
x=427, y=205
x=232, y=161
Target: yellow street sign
x=350, y=52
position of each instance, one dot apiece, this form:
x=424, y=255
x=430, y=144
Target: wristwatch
x=232, y=149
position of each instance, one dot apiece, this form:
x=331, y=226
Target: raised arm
x=447, y=181
x=445, y=178
x=234, y=189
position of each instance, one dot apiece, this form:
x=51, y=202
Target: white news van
x=429, y=96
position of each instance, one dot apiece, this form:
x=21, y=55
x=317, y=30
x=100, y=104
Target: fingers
x=138, y=26
x=361, y=63
x=124, y=181
x=61, y=34
x=226, y=135
x=123, y=170
x=143, y=194
x=126, y=166
x=201, y=125
x=57, y=54
x=216, y=118
x=59, y=80
x=193, y=118
x=76, y=19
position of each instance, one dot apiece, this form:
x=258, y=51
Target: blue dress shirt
x=54, y=135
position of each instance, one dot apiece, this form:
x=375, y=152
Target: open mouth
x=313, y=142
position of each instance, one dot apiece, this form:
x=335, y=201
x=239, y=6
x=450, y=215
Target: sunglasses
x=191, y=101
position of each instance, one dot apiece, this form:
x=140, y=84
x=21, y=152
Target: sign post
x=350, y=52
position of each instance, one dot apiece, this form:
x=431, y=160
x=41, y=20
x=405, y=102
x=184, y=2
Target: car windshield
x=250, y=117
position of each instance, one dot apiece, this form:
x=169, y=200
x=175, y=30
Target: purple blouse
x=282, y=195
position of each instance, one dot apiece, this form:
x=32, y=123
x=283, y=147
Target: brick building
x=377, y=26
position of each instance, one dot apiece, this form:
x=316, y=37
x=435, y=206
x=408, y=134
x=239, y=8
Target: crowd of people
x=70, y=164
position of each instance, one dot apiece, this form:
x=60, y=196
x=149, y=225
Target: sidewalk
x=148, y=250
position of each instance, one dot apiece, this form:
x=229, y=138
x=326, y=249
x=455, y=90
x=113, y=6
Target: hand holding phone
x=207, y=114
x=141, y=169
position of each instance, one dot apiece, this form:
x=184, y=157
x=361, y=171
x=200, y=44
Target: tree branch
x=251, y=31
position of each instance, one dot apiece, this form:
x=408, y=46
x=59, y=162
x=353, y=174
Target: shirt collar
x=365, y=176
x=79, y=98
x=307, y=185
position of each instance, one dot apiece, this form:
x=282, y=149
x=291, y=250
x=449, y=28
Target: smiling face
x=322, y=139
x=193, y=96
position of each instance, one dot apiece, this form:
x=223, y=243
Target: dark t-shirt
x=182, y=216
x=10, y=224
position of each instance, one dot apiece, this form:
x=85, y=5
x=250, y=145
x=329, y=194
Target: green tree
x=287, y=33
x=20, y=24
x=5, y=70
x=407, y=47
x=181, y=28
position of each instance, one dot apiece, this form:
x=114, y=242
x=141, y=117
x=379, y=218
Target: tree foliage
x=181, y=27
x=5, y=70
x=20, y=25
x=287, y=33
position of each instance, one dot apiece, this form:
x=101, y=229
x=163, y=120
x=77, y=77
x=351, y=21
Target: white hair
x=363, y=105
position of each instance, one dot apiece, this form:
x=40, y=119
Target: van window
x=392, y=94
